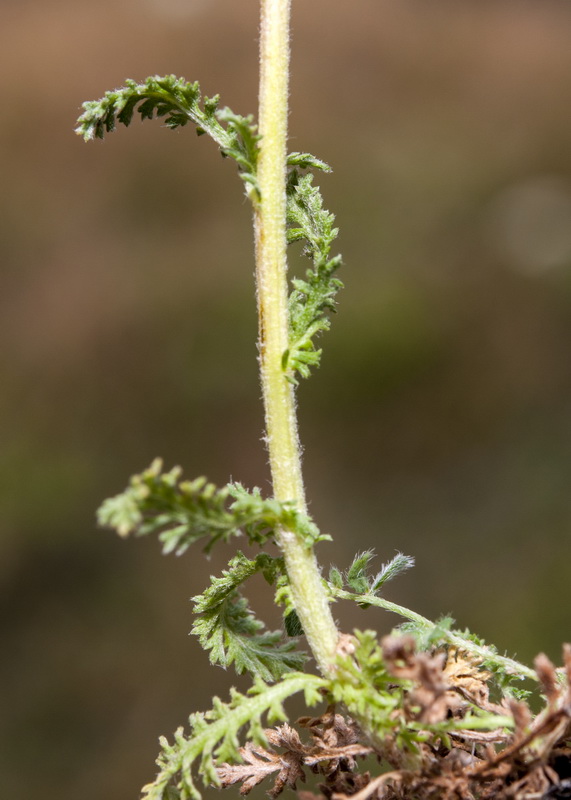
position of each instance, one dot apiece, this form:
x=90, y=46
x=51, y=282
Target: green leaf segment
x=312, y=299
x=179, y=103
x=229, y=630
x=182, y=512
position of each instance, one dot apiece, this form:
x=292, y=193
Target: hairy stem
x=308, y=592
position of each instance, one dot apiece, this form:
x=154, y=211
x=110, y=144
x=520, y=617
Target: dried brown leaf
x=258, y=764
x=331, y=729
x=463, y=673
x=261, y=762
x=521, y=716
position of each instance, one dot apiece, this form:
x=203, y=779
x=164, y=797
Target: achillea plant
x=436, y=706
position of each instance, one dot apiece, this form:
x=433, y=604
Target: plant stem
x=309, y=595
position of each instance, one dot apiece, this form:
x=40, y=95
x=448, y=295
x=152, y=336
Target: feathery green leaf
x=182, y=512
x=397, y=565
x=313, y=298
x=179, y=102
x=307, y=161
x=336, y=578
x=357, y=574
x=229, y=630
x=359, y=579
x=363, y=683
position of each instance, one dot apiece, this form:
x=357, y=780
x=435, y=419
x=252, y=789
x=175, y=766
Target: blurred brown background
x=439, y=423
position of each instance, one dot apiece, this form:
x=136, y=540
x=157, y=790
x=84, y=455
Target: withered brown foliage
x=333, y=751
x=532, y=762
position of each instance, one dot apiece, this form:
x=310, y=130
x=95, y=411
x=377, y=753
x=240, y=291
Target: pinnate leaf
x=312, y=299
x=229, y=630
x=178, y=102
x=182, y=512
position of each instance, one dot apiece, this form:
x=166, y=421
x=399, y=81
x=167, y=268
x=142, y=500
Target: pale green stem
x=310, y=598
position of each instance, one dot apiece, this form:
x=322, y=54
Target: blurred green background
x=439, y=423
